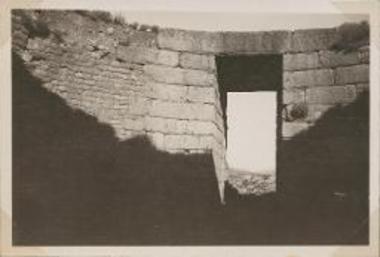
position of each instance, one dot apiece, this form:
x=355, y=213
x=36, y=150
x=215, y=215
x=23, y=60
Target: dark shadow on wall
x=324, y=171
x=74, y=183
x=322, y=182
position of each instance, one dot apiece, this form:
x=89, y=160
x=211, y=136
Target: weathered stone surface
x=291, y=129
x=325, y=59
x=301, y=61
x=138, y=38
x=200, y=127
x=175, y=93
x=167, y=57
x=165, y=125
x=262, y=42
x=195, y=111
x=179, y=76
x=352, y=74
x=197, y=61
x=158, y=140
x=177, y=126
x=308, y=78
x=361, y=88
x=133, y=124
x=180, y=93
x=201, y=94
x=145, y=55
x=293, y=96
x=334, y=59
x=181, y=141
x=331, y=95
x=190, y=41
x=138, y=106
x=207, y=142
x=313, y=39
x=199, y=78
x=316, y=111
x=165, y=74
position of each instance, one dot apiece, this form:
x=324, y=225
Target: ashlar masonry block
x=145, y=55
x=323, y=77
x=352, y=74
x=331, y=95
x=301, y=61
x=197, y=61
x=190, y=41
x=179, y=76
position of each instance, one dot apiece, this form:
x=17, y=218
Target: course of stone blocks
x=321, y=80
x=163, y=83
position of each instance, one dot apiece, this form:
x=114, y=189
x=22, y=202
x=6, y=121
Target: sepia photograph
x=163, y=128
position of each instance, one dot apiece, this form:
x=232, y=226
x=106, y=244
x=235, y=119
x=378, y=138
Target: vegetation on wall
x=351, y=36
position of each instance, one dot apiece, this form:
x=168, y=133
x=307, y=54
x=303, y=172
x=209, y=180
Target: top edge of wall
x=225, y=42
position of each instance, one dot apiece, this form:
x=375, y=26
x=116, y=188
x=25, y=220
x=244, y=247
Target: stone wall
x=163, y=83
x=320, y=80
x=121, y=76
x=325, y=129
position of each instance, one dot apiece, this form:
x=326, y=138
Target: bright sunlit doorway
x=251, y=131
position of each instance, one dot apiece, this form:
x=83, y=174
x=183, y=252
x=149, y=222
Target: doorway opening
x=251, y=131
x=250, y=91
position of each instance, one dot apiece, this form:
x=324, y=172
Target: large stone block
x=190, y=41
x=199, y=78
x=331, y=95
x=312, y=40
x=138, y=106
x=207, y=142
x=179, y=76
x=251, y=42
x=181, y=141
x=179, y=126
x=196, y=111
x=201, y=94
x=169, y=58
x=176, y=126
x=175, y=93
x=166, y=109
x=197, y=61
x=166, y=125
x=138, y=38
x=301, y=61
x=165, y=74
x=293, y=96
x=145, y=55
x=352, y=74
x=199, y=111
x=334, y=59
x=308, y=78
x=200, y=127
